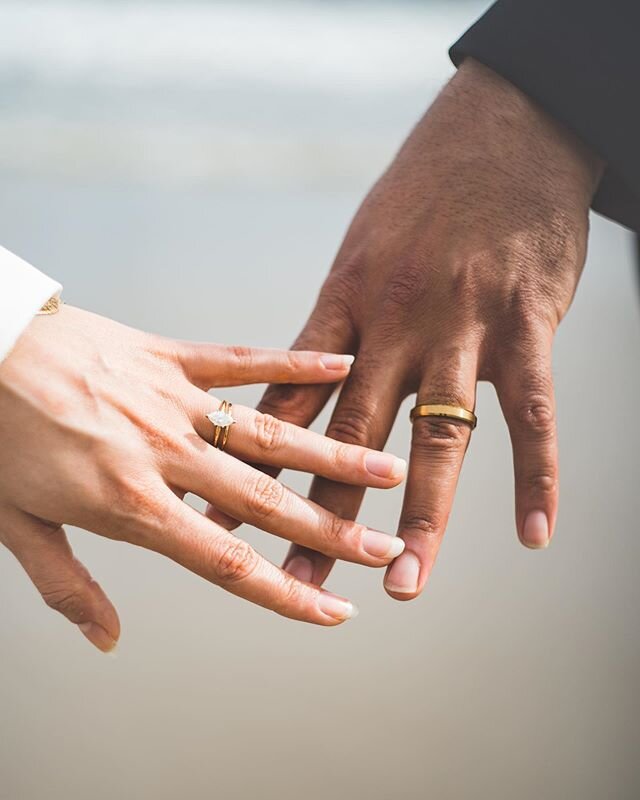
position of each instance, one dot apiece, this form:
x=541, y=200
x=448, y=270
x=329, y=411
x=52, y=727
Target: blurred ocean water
x=205, y=92
x=352, y=46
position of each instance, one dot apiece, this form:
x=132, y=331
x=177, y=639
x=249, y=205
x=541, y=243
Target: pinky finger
x=201, y=546
x=64, y=583
x=528, y=403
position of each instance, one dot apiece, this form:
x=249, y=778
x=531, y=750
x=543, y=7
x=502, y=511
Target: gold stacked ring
x=222, y=422
x=448, y=412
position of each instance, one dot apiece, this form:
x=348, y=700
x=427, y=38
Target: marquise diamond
x=221, y=419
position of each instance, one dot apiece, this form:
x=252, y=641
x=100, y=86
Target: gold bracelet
x=52, y=306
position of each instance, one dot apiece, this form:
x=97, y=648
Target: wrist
x=499, y=110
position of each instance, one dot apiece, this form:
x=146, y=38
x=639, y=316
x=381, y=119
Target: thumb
x=64, y=582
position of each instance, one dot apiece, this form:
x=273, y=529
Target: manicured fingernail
x=331, y=361
x=336, y=607
x=404, y=574
x=97, y=635
x=535, y=533
x=301, y=568
x=384, y=465
x=381, y=545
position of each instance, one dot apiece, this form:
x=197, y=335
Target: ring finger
x=263, y=439
x=251, y=496
x=438, y=446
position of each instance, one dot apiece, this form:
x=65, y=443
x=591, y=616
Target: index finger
x=209, y=365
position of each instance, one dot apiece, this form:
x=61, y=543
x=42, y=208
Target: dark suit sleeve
x=580, y=60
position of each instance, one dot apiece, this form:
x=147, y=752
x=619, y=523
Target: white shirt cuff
x=23, y=292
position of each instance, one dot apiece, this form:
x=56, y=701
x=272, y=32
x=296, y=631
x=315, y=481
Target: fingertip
x=399, y=470
x=381, y=545
x=337, y=363
x=98, y=636
x=385, y=465
x=402, y=578
x=102, y=627
x=535, y=531
x=336, y=610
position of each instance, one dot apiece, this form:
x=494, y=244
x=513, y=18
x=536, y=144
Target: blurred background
x=146, y=150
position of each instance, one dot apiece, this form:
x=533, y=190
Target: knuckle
x=403, y=289
x=236, y=562
x=425, y=525
x=133, y=497
x=269, y=432
x=286, y=401
x=530, y=318
x=264, y=496
x=343, y=285
x=524, y=322
x=537, y=415
x=334, y=310
x=440, y=434
x=545, y=482
x=133, y=505
x=340, y=456
x=292, y=596
x=522, y=309
x=242, y=358
x=176, y=352
x=336, y=529
x=465, y=268
x=350, y=425
x=66, y=600
x=292, y=363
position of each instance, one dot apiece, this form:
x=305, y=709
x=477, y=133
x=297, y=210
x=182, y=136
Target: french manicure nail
x=535, y=533
x=301, y=568
x=384, y=465
x=336, y=607
x=404, y=574
x=98, y=637
x=331, y=361
x=381, y=545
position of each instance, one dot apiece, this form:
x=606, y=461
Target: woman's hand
x=458, y=267
x=104, y=427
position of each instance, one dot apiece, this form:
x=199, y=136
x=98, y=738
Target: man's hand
x=458, y=267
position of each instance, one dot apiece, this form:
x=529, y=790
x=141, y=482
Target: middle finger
x=438, y=447
x=251, y=496
x=263, y=439
x=364, y=413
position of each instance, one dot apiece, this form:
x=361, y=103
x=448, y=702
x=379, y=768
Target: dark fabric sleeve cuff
x=580, y=60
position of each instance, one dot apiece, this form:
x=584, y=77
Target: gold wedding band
x=222, y=422
x=448, y=412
